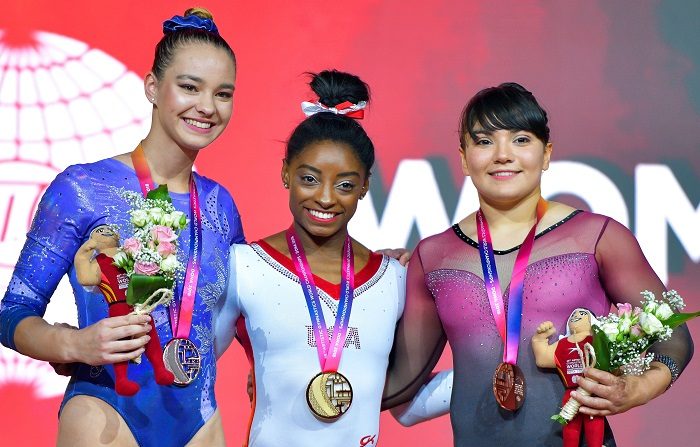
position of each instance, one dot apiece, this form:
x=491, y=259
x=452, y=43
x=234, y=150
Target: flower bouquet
x=149, y=256
x=621, y=339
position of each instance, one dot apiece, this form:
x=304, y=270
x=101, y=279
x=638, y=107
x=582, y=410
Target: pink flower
x=146, y=268
x=132, y=246
x=636, y=331
x=163, y=234
x=166, y=248
x=624, y=310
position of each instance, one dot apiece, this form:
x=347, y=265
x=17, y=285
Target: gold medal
x=509, y=386
x=329, y=395
x=181, y=357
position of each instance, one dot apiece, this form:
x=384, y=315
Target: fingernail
x=574, y=379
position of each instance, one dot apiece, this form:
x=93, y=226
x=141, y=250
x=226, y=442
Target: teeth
x=198, y=123
x=503, y=174
x=321, y=215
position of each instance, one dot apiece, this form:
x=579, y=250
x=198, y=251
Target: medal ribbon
x=180, y=317
x=510, y=329
x=329, y=352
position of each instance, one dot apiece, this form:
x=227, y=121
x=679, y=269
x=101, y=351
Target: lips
x=199, y=126
x=503, y=174
x=321, y=216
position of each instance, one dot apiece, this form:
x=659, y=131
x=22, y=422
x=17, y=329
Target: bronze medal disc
x=509, y=386
x=182, y=358
x=329, y=395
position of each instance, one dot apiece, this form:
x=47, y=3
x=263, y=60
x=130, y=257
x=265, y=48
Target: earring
x=286, y=185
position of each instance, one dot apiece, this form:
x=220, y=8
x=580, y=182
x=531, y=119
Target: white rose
x=664, y=312
x=156, y=215
x=610, y=330
x=650, y=324
x=138, y=218
x=179, y=219
x=625, y=325
x=169, y=264
x=121, y=259
x=167, y=220
x=650, y=307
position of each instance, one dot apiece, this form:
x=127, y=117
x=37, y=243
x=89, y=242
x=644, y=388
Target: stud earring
x=286, y=185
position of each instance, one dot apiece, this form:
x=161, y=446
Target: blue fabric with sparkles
x=79, y=199
x=191, y=22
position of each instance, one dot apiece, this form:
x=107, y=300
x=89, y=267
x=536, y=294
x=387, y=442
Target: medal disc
x=181, y=357
x=329, y=395
x=509, y=386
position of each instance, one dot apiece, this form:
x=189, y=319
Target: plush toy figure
x=113, y=282
x=568, y=356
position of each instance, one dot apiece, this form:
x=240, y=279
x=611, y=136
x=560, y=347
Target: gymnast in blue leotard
x=191, y=87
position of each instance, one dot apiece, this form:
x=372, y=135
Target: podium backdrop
x=620, y=80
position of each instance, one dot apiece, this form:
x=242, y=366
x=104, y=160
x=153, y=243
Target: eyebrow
x=194, y=78
x=342, y=174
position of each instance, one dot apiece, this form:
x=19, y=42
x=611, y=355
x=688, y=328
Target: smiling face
x=505, y=165
x=325, y=182
x=580, y=321
x=105, y=237
x=193, y=100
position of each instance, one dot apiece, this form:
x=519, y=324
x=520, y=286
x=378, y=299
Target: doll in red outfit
x=566, y=355
x=113, y=281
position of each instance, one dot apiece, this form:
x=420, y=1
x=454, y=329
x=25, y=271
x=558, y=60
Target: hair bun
x=335, y=87
x=194, y=18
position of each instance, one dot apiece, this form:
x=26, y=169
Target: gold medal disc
x=329, y=395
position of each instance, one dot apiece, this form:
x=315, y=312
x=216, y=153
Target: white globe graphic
x=61, y=103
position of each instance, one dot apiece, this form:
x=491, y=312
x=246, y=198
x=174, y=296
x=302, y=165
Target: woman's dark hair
x=506, y=107
x=333, y=88
x=182, y=36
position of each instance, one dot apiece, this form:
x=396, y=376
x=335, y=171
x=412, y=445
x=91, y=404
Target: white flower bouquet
x=621, y=339
x=149, y=256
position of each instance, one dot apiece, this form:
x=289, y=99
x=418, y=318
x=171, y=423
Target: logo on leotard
x=367, y=440
x=352, y=339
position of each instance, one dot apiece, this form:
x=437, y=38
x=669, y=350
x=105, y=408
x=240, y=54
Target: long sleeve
x=625, y=272
x=62, y=220
x=419, y=339
x=227, y=310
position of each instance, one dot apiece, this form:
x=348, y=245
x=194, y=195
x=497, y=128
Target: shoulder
x=208, y=185
x=438, y=242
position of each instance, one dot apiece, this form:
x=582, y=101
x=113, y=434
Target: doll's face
x=580, y=321
x=105, y=237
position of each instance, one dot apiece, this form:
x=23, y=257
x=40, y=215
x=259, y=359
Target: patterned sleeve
x=624, y=273
x=236, y=235
x=62, y=219
x=419, y=339
x=227, y=309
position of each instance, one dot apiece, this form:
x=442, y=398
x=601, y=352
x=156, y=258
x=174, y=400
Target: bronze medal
x=329, y=395
x=181, y=357
x=509, y=386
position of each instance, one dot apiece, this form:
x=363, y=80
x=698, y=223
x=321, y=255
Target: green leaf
x=160, y=193
x=141, y=287
x=676, y=320
x=601, y=346
x=559, y=419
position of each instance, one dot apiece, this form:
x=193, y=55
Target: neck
x=521, y=213
x=169, y=163
x=331, y=246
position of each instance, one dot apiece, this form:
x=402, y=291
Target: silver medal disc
x=182, y=358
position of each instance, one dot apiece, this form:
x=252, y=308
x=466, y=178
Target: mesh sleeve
x=625, y=272
x=63, y=218
x=419, y=339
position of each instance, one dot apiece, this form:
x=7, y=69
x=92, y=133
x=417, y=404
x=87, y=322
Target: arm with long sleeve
x=63, y=219
x=419, y=339
x=227, y=310
x=624, y=273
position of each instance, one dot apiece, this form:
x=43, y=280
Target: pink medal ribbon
x=510, y=329
x=329, y=352
x=180, y=316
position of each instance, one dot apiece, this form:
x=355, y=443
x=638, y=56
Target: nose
x=503, y=152
x=325, y=195
x=205, y=105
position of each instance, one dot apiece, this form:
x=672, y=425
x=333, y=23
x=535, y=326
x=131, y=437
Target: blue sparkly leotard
x=79, y=199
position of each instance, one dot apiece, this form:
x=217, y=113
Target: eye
x=225, y=95
x=346, y=186
x=522, y=139
x=188, y=87
x=308, y=179
x=482, y=142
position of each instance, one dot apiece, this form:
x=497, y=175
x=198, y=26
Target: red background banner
x=620, y=80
